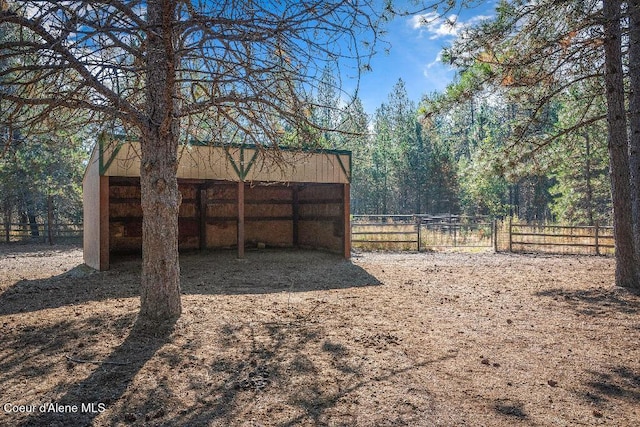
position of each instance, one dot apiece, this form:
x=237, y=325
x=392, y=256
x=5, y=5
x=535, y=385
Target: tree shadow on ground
x=108, y=381
x=72, y=361
x=511, y=409
x=286, y=374
x=597, y=301
x=620, y=383
x=175, y=376
x=206, y=273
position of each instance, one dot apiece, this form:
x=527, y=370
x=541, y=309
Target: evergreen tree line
x=481, y=147
x=428, y=159
x=41, y=179
x=406, y=159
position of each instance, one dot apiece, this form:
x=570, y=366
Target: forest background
x=506, y=138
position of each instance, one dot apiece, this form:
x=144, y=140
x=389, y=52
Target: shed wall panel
x=125, y=215
x=320, y=234
x=221, y=210
x=221, y=234
x=272, y=233
x=91, y=212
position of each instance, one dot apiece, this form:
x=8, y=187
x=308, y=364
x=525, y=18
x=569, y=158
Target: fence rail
x=418, y=233
x=35, y=231
x=385, y=235
x=421, y=232
x=428, y=232
x=596, y=239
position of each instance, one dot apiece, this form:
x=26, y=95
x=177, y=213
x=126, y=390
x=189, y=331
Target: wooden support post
x=104, y=223
x=494, y=234
x=455, y=238
x=346, y=214
x=510, y=236
x=296, y=215
x=597, y=237
x=240, y=219
x=202, y=202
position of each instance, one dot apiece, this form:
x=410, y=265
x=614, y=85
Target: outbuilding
x=233, y=196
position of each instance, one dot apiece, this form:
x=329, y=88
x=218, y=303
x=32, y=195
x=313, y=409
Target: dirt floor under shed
x=287, y=338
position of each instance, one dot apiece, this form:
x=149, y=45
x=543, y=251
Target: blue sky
x=414, y=55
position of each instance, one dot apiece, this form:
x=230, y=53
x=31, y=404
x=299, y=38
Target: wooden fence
x=426, y=233
x=40, y=232
x=418, y=233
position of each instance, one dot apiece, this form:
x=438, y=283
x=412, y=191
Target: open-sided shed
x=233, y=196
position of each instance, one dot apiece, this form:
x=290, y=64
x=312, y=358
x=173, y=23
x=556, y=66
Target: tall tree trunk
x=160, y=198
x=33, y=224
x=8, y=210
x=626, y=268
x=634, y=117
x=50, y=218
x=587, y=177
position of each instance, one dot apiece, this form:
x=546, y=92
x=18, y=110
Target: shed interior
x=275, y=215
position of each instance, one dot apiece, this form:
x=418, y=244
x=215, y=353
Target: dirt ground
x=288, y=338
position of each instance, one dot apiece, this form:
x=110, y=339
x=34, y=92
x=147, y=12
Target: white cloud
x=436, y=61
x=478, y=18
x=438, y=26
x=436, y=67
x=417, y=21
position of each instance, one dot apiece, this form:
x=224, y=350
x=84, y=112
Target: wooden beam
x=104, y=223
x=346, y=211
x=296, y=215
x=190, y=181
x=122, y=181
x=322, y=201
x=240, y=219
x=202, y=203
x=268, y=202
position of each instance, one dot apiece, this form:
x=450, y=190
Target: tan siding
x=126, y=162
x=91, y=213
x=204, y=162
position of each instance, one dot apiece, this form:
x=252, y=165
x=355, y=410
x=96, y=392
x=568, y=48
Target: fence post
x=418, y=225
x=494, y=234
x=455, y=240
x=510, y=237
x=597, y=237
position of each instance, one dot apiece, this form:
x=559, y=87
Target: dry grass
x=305, y=338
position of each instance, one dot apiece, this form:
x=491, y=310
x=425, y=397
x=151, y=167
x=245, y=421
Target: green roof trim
x=271, y=147
x=344, y=169
x=242, y=170
x=102, y=165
